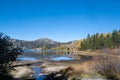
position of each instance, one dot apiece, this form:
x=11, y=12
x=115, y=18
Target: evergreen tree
x=115, y=39
x=108, y=41
x=101, y=41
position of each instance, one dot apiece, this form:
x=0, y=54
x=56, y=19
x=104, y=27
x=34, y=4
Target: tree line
x=101, y=41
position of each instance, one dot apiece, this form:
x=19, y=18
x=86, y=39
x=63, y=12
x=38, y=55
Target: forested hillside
x=101, y=41
x=91, y=42
x=94, y=42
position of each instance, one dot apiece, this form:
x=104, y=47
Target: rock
x=58, y=75
x=21, y=72
x=53, y=69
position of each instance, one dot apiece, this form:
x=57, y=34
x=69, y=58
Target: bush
x=5, y=77
x=108, y=66
x=8, y=53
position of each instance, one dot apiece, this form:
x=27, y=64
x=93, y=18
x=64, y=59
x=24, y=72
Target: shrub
x=8, y=53
x=108, y=66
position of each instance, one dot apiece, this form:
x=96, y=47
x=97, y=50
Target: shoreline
x=54, y=67
x=47, y=66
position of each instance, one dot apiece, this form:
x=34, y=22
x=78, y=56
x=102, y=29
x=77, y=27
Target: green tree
x=108, y=41
x=115, y=38
x=8, y=53
x=101, y=41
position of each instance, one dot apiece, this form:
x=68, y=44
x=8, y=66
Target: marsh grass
x=106, y=67
x=80, y=71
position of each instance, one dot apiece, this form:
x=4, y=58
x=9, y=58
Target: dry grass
x=109, y=51
x=108, y=66
x=80, y=70
x=103, y=66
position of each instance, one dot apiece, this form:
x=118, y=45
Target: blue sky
x=60, y=20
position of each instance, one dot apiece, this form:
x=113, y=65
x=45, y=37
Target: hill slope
x=40, y=43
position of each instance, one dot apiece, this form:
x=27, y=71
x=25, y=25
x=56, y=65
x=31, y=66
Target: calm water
x=37, y=72
x=43, y=55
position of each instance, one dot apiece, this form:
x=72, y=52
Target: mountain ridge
x=39, y=43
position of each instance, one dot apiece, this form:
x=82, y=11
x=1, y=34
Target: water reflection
x=47, y=55
x=62, y=58
x=26, y=58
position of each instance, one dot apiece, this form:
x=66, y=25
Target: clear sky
x=60, y=20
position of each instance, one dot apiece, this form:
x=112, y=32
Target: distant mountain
x=40, y=43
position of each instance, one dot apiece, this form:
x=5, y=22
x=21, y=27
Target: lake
x=45, y=55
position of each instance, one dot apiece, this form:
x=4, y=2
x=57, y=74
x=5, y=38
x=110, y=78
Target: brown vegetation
x=108, y=66
x=109, y=51
x=103, y=67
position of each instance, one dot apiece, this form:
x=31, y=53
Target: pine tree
x=115, y=39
